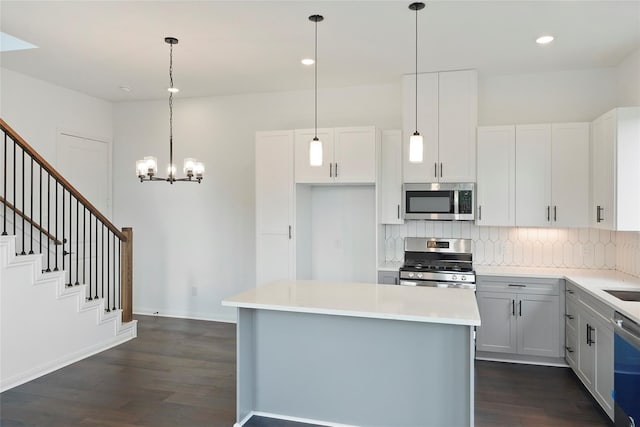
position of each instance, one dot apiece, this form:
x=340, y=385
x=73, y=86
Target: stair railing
x=51, y=217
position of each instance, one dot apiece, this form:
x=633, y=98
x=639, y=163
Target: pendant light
x=147, y=168
x=315, y=145
x=416, y=143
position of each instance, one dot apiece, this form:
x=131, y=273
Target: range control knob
x=454, y=277
x=410, y=274
x=463, y=278
x=419, y=275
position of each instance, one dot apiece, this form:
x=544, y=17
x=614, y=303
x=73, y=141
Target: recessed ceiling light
x=125, y=89
x=173, y=89
x=308, y=61
x=544, y=39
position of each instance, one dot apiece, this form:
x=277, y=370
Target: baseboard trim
x=47, y=368
x=523, y=361
x=147, y=312
x=289, y=418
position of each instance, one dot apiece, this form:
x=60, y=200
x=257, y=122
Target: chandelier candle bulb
x=189, y=166
x=199, y=170
x=152, y=165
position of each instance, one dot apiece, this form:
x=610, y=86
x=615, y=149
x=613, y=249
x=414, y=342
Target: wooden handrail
x=126, y=275
x=30, y=221
x=58, y=177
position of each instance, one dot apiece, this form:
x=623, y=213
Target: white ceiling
x=231, y=47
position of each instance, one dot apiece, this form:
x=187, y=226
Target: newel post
x=126, y=274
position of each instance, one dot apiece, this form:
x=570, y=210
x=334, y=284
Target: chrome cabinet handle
x=440, y=170
x=479, y=212
x=336, y=170
x=517, y=285
x=330, y=170
x=398, y=211
x=513, y=307
x=435, y=170
x=520, y=307
x=289, y=232
x=599, y=217
x=555, y=212
x=548, y=213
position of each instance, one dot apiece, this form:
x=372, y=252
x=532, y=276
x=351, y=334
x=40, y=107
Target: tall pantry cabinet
x=275, y=248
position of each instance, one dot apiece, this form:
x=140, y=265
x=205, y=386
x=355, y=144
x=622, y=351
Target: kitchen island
x=356, y=354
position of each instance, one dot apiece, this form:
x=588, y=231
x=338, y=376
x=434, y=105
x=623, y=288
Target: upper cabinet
x=390, y=177
x=552, y=175
x=349, y=156
x=447, y=119
x=496, y=176
x=615, y=160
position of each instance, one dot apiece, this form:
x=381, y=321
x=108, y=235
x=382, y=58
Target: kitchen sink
x=625, y=295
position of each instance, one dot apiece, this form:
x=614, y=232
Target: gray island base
x=345, y=354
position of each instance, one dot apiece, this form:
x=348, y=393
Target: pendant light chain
x=417, y=70
x=171, y=112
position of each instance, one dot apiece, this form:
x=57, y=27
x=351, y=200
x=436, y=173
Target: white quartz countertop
x=417, y=304
x=592, y=281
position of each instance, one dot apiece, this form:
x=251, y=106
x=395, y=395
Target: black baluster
x=31, y=210
x=119, y=276
x=108, y=271
x=63, y=224
x=97, y=255
x=4, y=194
x=40, y=196
x=24, y=211
x=102, y=260
x=48, y=221
x=90, y=292
x=84, y=246
x=77, y=240
x=114, y=272
x=56, y=222
x=14, y=188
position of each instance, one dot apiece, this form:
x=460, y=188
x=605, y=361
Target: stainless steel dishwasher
x=626, y=378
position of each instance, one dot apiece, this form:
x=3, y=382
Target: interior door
x=84, y=162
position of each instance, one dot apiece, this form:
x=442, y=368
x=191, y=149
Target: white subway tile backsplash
x=627, y=247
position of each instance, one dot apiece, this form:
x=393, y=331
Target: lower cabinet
x=388, y=277
x=589, y=345
x=519, y=318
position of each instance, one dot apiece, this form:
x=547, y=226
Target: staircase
x=65, y=270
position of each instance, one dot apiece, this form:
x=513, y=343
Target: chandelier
x=147, y=168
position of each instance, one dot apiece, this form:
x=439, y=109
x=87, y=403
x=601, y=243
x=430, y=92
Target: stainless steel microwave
x=439, y=201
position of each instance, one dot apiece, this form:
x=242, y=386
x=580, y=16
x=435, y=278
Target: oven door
x=626, y=372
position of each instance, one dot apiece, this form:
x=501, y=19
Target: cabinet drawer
x=571, y=349
x=571, y=317
x=583, y=299
x=529, y=286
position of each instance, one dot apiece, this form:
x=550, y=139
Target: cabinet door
x=428, y=170
x=602, y=166
x=570, y=174
x=496, y=176
x=603, y=337
x=274, y=206
x=498, y=330
x=355, y=155
x=306, y=173
x=538, y=325
x=458, y=119
x=388, y=277
x=390, y=180
x=586, y=352
x=533, y=175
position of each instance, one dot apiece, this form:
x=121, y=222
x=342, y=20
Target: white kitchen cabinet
x=447, y=119
x=274, y=206
x=390, y=177
x=519, y=318
x=552, y=175
x=496, y=175
x=349, y=156
x=615, y=147
x=388, y=277
x=591, y=357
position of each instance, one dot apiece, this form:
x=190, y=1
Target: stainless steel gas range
x=446, y=263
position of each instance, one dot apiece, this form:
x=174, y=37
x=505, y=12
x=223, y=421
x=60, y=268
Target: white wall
x=564, y=96
x=628, y=80
x=38, y=110
x=202, y=237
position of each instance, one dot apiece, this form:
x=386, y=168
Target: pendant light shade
x=416, y=142
x=416, y=148
x=315, y=145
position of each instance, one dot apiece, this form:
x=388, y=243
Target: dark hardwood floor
x=181, y=373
